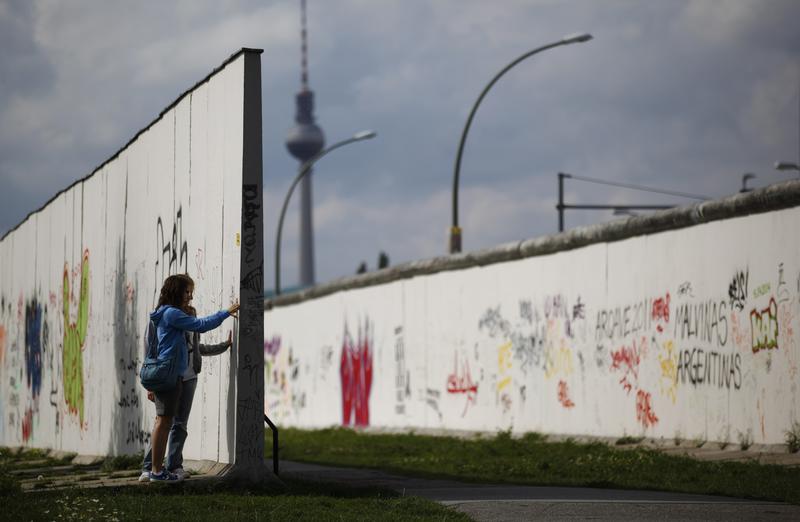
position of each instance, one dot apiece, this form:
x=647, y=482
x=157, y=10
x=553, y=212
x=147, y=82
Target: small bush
x=745, y=439
x=627, y=439
x=533, y=437
x=122, y=462
x=793, y=438
x=33, y=454
x=503, y=435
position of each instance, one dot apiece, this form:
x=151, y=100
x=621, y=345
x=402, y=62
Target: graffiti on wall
x=737, y=290
x=33, y=347
x=626, y=360
x=402, y=374
x=172, y=252
x=563, y=395
x=644, y=412
x=74, y=338
x=634, y=332
x=282, y=378
x=764, y=327
x=663, y=357
x=2, y=344
x=460, y=382
x=356, y=375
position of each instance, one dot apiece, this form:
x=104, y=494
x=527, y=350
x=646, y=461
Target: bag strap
x=152, y=340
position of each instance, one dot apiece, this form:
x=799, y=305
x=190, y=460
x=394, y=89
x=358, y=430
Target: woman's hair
x=173, y=289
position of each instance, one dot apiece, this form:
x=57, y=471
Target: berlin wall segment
x=249, y=430
x=79, y=276
x=700, y=349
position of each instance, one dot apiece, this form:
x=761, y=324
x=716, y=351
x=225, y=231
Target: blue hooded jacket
x=171, y=322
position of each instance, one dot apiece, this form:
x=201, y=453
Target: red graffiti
x=563, y=395
x=356, y=375
x=628, y=359
x=461, y=382
x=661, y=311
x=27, y=425
x=644, y=412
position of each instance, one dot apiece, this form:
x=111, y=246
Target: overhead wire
x=639, y=187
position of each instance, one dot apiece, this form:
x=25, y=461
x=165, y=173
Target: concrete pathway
x=499, y=502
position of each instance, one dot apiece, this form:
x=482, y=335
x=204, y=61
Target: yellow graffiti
x=558, y=361
x=74, y=338
x=504, y=357
x=669, y=370
x=504, y=365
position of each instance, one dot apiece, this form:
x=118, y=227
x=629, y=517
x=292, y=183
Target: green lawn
x=177, y=503
x=534, y=461
x=197, y=500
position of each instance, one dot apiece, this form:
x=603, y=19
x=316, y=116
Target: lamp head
x=576, y=38
x=365, y=135
x=785, y=165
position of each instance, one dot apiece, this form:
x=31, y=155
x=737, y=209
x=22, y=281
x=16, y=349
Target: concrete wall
x=79, y=276
x=687, y=332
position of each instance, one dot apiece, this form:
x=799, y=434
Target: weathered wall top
x=160, y=116
x=774, y=197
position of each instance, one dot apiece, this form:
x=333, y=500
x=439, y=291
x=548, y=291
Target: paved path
x=507, y=502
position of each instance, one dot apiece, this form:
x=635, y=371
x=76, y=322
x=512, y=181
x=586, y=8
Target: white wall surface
x=689, y=333
x=79, y=277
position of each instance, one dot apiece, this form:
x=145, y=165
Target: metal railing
x=274, y=443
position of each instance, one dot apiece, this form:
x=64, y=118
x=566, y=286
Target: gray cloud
x=683, y=95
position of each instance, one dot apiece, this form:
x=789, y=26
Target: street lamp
x=746, y=176
x=455, y=230
x=785, y=165
x=304, y=169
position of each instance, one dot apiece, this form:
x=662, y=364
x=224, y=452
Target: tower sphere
x=304, y=140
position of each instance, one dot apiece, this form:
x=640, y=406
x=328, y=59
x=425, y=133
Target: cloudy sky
x=683, y=95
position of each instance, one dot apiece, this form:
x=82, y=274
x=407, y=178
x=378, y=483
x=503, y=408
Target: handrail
x=274, y=443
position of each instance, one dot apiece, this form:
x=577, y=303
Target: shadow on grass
x=216, y=485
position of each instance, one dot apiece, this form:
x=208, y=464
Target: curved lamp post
x=304, y=169
x=455, y=230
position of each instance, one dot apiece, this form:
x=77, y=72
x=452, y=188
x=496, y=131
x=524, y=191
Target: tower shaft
x=306, y=232
x=304, y=141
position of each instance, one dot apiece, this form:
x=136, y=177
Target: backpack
x=157, y=375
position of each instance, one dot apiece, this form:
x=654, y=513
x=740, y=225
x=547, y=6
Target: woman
x=172, y=322
x=178, y=432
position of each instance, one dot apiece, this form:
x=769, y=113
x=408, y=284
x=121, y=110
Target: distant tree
x=362, y=268
x=383, y=260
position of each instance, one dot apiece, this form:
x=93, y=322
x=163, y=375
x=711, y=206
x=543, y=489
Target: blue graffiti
x=33, y=347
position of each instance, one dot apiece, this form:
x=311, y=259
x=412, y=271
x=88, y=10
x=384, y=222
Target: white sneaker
x=164, y=476
x=181, y=473
x=144, y=477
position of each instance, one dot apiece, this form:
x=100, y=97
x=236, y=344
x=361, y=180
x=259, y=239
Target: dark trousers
x=178, y=431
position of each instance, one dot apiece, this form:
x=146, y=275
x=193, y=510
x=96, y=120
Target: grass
x=623, y=441
x=181, y=502
x=202, y=500
x=122, y=462
x=534, y=461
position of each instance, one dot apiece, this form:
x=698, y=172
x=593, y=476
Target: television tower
x=304, y=141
